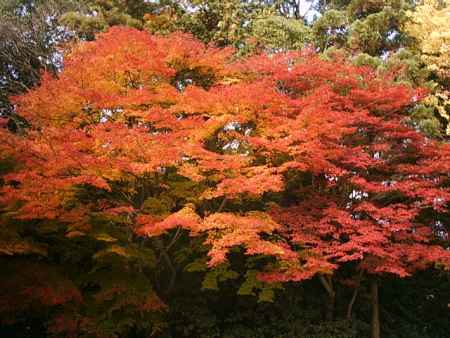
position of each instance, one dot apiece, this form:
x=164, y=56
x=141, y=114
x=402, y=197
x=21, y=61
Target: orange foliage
x=131, y=104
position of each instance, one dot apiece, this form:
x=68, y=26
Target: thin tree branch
x=328, y=286
x=222, y=205
x=355, y=294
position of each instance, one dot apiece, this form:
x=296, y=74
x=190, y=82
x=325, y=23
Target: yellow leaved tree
x=429, y=25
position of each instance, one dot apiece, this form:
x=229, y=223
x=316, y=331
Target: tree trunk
x=355, y=294
x=350, y=305
x=163, y=253
x=375, y=310
x=327, y=283
x=331, y=306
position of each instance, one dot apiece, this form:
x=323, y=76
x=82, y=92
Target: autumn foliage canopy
x=304, y=163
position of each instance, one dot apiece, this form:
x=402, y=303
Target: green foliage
x=219, y=21
x=28, y=36
x=363, y=59
x=276, y=32
x=219, y=274
x=330, y=29
x=253, y=287
x=86, y=25
x=94, y=16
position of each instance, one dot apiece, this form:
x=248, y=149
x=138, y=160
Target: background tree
x=428, y=25
x=29, y=34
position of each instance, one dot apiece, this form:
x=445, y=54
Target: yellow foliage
x=430, y=25
x=441, y=102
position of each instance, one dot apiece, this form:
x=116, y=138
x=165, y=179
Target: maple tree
x=141, y=135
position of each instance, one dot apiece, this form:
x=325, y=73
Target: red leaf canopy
x=321, y=143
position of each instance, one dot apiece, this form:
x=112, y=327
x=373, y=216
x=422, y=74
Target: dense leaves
x=290, y=166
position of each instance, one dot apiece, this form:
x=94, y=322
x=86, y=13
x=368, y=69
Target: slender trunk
x=222, y=205
x=375, y=310
x=327, y=283
x=163, y=253
x=350, y=305
x=331, y=307
x=355, y=294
